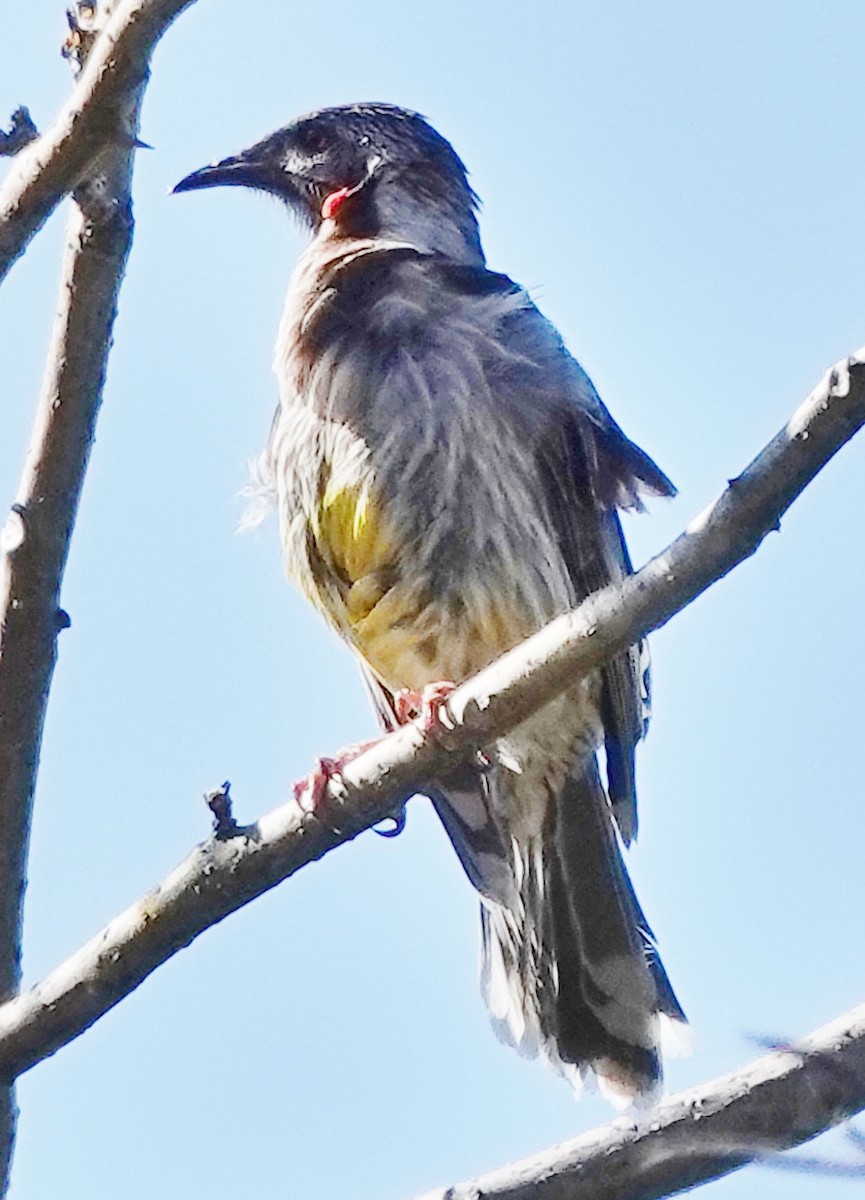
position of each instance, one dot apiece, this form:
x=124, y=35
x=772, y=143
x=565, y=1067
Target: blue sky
x=681, y=187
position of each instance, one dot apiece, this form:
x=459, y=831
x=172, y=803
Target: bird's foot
x=424, y=707
x=310, y=792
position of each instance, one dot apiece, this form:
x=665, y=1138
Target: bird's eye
x=315, y=141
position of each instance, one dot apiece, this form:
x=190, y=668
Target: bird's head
x=361, y=170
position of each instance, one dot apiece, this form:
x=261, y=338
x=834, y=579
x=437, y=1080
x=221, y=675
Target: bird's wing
x=590, y=470
x=617, y=474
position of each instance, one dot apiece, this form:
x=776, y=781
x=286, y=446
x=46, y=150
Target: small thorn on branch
x=219, y=803
x=22, y=131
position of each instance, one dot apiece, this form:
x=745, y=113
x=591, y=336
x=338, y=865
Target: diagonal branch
x=96, y=115
x=230, y=870
x=776, y=1102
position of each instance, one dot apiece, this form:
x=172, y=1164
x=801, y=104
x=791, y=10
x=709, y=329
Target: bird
x=447, y=480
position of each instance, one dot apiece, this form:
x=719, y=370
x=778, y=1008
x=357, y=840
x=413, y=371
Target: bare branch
x=228, y=871
x=97, y=115
x=37, y=533
x=8, y=1123
x=36, y=537
x=774, y=1103
x=22, y=131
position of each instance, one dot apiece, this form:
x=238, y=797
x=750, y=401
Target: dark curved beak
x=232, y=170
x=256, y=167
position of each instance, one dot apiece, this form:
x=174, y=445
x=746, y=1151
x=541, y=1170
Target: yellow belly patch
x=356, y=541
x=348, y=530
x=408, y=638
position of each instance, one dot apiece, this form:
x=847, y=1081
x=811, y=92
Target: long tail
x=569, y=968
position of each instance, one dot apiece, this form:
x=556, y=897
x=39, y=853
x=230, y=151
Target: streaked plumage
x=447, y=481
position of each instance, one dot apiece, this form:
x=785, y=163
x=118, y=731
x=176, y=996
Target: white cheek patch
x=296, y=163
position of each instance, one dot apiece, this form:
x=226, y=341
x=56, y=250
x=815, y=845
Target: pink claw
x=425, y=706
x=310, y=791
x=406, y=705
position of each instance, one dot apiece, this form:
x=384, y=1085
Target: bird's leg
x=425, y=706
x=310, y=791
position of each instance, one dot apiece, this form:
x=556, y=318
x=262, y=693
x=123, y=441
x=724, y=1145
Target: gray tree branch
x=776, y=1102
x=228, y=871
x=22, y=131
x=36, y=537
x=96, y=116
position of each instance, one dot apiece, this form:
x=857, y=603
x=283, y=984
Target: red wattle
x=332, y=203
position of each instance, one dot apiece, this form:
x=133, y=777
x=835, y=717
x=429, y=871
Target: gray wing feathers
x=590, y=469
x=624, y=698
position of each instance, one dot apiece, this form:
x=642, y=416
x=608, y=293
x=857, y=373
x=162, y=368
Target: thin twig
x=219, y=801
x=820, y=1168
x=22, y=131
x=96, y=116
x=222, y=875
